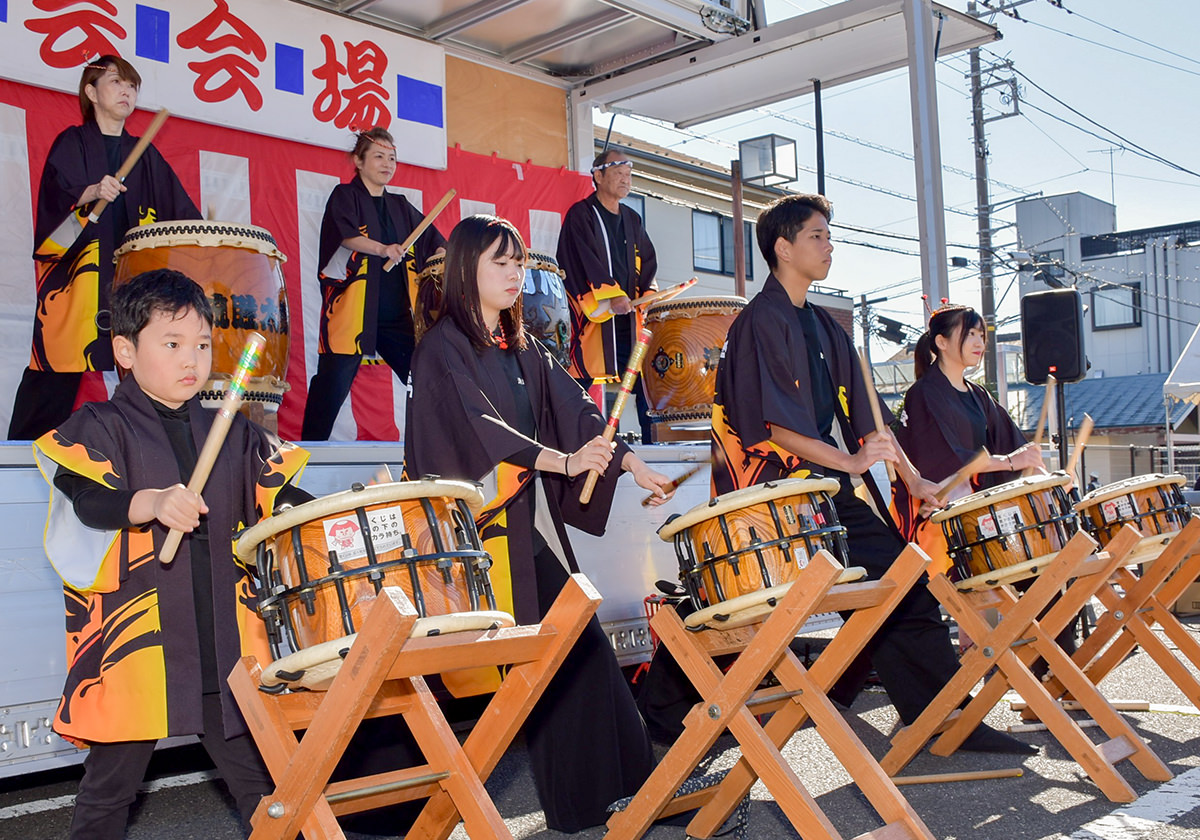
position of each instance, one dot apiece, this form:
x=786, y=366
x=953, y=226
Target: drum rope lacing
x=143, y=232
x=694, y=785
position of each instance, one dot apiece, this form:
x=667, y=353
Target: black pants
x=911, y=652
x=44, y=400
x=587, y=744
x=625, y=341
x=113, y=773
x=330, y=385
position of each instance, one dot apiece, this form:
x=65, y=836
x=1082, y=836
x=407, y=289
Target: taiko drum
x=1153, y=504
x=754, y=538
x=1016, y=527
x=239, y=266
x=679, y=374
x=324, y=562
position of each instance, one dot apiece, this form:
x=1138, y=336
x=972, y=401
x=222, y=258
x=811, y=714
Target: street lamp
x=768, y=161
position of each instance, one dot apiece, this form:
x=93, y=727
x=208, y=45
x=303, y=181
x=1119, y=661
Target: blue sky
x=1147, y=92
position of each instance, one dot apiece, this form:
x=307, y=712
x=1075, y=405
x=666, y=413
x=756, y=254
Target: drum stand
x=383, y=675
x=1011, y=647
x=1134, y=604
x=731, y=701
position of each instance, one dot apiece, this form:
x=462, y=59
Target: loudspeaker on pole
x=1052, y=336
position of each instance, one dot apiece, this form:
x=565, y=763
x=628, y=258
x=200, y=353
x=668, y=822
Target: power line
x=1146, y=152
x=1109, y=47
x=1150, y=44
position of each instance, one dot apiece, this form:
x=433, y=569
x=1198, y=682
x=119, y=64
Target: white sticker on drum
x=801, y=555
x=1010, y=522
x=344, y=535
x=1116, y=510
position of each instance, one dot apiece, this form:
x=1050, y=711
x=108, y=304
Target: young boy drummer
x=149, y=643
x=791, y=401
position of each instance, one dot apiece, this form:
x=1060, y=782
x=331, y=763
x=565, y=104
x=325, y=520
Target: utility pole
x=991, y=366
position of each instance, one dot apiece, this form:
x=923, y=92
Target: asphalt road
x=1053, y=799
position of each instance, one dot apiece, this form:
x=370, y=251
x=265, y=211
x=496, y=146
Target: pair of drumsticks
x=629, y=379
x=980, y=460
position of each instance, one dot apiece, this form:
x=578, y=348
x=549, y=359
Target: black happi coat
x=350, y=281
x=584, y=258
x=74, y=257
x=763, y=379
x=460, y=425
x=934, y=430
x=133, y=655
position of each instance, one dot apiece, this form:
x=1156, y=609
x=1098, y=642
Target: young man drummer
x=790, y=402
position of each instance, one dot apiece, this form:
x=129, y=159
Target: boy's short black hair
x=160, y=290
x=785, y=217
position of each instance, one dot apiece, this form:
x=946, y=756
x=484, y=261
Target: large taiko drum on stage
x=239, y=266
x=1153, y=504
x=679, y=374
x=738, y=552
x=323, y=563
x=545, y=309
x=1008, y=532
x=544, y=303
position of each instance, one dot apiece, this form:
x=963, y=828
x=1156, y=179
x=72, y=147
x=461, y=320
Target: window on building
x=637, y=204
x=1050, y=262
x=712, y=244
x=1114, y=307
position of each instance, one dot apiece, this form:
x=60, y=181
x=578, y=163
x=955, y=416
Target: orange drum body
x=1153, y=504
x=239, y=267
x=544, y=304
x=679, y=374
x=1012, y=528
x=325, y=561
x=755, y=538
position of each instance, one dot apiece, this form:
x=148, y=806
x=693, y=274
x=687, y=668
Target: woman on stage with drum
x=947, y=418
x=74, y=254
x=364, y=309
x=491, y=404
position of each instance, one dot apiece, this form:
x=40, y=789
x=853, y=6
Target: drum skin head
x=395, y=491
x=1121, y=488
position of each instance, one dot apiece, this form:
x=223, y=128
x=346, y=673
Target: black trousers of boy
x=330, y=385
x=113, y=774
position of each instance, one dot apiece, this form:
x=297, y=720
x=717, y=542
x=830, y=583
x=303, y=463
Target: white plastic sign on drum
x=344, y=535
x=1010, y=522
x=1116, y=509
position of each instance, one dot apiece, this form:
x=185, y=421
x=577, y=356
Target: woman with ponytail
x=946, y=418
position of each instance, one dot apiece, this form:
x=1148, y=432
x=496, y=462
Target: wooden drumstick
x=216, y=435
x=873, y=399
x=965, y=473
x=1047, y=398
x=131, y=161
x=963, y=776
x=675, y=482
x=1081, y=439
x=665, y=294
x=614, y=416
x=420, y=228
